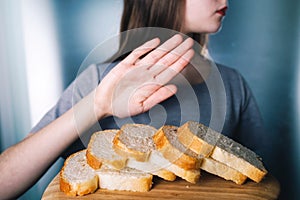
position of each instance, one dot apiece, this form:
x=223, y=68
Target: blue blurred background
x=43, y=43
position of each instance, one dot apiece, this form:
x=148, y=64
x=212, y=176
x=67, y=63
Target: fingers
x=170, y=72
x=162, y=50
x=138, y=52
x=172, y=56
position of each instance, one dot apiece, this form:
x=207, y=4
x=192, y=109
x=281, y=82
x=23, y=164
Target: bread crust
x=239, y=164
x=121, y=149
x=171, y=153
x=92, y=160
x=79, y=189
x=222, y=170
x=95, y=161
x=65, y=186
x=165, y=174
x=191, y=176
x=191, y=141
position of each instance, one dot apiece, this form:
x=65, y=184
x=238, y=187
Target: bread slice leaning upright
x=174, y=156
x=77, y=177
x=223, y=156
x=197, y=137
x=134, y=141
x=240, y=158
x=202, y=140
x=166, y=141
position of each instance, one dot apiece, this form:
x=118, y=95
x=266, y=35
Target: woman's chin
x=214, y=28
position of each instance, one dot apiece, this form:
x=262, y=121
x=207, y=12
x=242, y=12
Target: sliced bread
x=166, y=142
x=134, y=141
x=127, y=179
x=197, y=137
x=209, y=143
x=77, y=177
x=191, y=175
x=214, y=167
x=240, y=158
x=202, y=140
x=100, y=150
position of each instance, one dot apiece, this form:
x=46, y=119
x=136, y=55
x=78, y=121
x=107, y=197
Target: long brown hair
x=139, y=14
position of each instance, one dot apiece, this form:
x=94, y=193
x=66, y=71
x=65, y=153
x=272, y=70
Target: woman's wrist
x=87, y=112
x=100, y=106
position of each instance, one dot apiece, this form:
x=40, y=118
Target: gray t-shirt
x=224, y=102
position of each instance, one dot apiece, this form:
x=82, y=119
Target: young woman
x=141, y=75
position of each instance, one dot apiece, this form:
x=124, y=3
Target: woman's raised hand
x=136, y=85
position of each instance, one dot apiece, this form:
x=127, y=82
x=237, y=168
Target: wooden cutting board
x=209, y=187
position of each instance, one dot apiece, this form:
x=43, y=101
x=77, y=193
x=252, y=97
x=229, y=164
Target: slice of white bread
x=100, y=150
x=198, y=138
x=214, y=167
x=240, y=158
x=209, y=143
x=202, y=140
x=134, y=141
x=172, y=149
x=172, y=155
x=127, y=179
x=77, y=177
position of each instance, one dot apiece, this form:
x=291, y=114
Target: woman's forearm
x=24, y=163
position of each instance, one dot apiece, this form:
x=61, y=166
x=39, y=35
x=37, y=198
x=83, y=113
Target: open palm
x=135, y=85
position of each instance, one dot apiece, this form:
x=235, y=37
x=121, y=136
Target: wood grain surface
x=209, y=187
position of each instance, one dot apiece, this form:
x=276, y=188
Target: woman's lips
x=222, y=11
